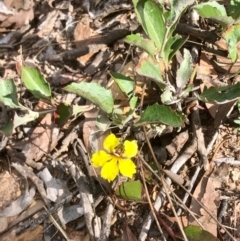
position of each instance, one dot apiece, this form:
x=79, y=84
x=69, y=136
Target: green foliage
x=161, y=114
x=159, y=49
x=229, y=20
x=35, y=82
x=94, y=92
x=8, y=93
x=131, y=190
x=196, y=233
x=220, y=95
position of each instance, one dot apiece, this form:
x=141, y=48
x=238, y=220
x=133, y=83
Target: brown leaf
x=208, y=194
x=81, y=32
x=42, y=141
x=18, y=19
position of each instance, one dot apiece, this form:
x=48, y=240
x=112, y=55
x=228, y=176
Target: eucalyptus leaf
x=93, y=92
x=161, y=114
x=35, y=82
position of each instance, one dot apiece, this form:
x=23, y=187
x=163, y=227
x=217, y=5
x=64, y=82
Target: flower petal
x=127, y=167
x=110, y=170
x=131, y=149
x=111, y=142
x=100, y=158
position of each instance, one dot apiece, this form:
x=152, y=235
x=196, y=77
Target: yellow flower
x=116, y=158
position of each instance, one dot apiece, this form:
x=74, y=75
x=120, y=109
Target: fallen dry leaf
x=18, y=19
x=208, y=194
x=42, y=141
x=81, y=32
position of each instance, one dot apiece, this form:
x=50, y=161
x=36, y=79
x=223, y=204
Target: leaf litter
x=79, y=48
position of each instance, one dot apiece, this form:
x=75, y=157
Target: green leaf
x=117, y=116
x=172, y=46
x=151, y=17
x=93, y=92
x=103, y=122
x=63, y=113
x=79, y=109
x=233, y=10
x=126, y=84
x=8, y=93
x=176, y=10
x=195, y=233
x=145, y=44
x=220, y=95
x=35, y=82
x=149, y=68
x=133, y=102
x=131, y=190
x=237, y=122
x=7, y=129
x=214, y=11
x=161, y=114
x=232, y=36
x=21, y=120
x=185, y=70
x=167, y=98
x=211, y=9
x=18, y=121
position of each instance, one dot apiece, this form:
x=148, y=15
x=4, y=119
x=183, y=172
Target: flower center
x=119, y=150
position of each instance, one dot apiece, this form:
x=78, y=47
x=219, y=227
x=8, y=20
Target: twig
x=187, y=153
x=92, y=222
x=104, y=236
x=150, y=204
x=205, y=208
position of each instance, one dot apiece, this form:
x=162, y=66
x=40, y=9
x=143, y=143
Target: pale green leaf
x=172, y=46
x=133, y=102
x=103, y=122
x=220, y=95
x=151, y=17
x=93, y=92
x=35, y=82
x=8, y=93
x=185, y=70
x=214, y=11
x=161, y=114
x=150, y=68
x=145, y=44
x=232, y=36
x=21, y=120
